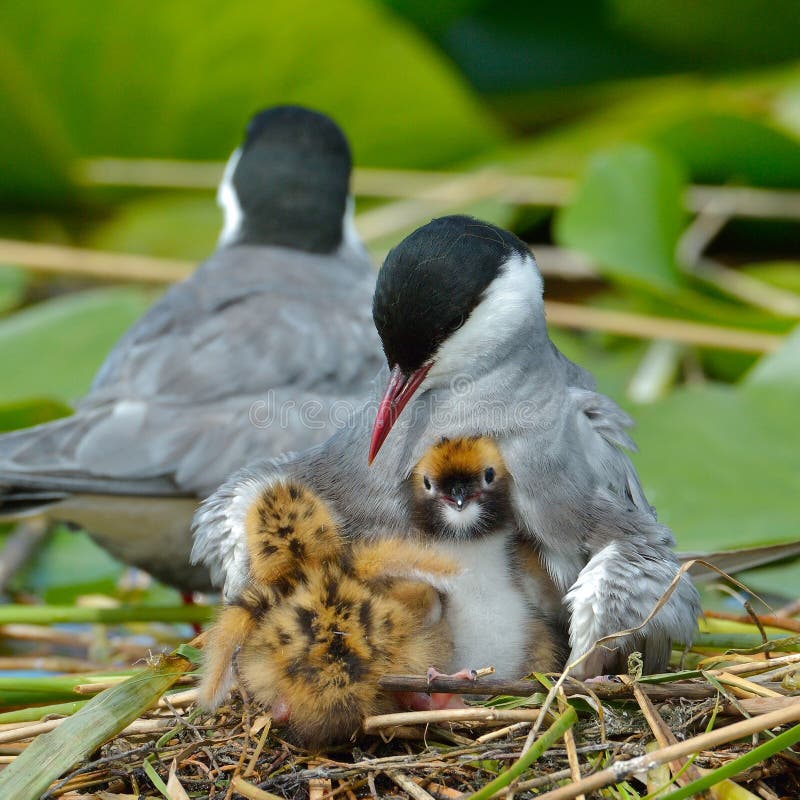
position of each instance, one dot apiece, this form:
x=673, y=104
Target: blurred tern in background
x=250, y=355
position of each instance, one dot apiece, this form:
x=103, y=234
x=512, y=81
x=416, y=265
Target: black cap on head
x=431, y=282
x=292, y=180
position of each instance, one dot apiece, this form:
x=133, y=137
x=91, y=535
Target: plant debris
x=619, y=736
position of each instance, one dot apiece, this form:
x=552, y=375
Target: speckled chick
x=503, y=609
x=321, y=620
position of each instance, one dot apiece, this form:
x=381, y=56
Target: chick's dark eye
x=488, y=475
x=426, y=482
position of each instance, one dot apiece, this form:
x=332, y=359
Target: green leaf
x=35, y=151
x=779, y=580
x=58, y=614
x=54, y=348
x=780, y=369
x=724, y=148
x=641, y=111
x=52, y=754
x=37, y=713
x=190, y=654
x=145, y=81
x=782, y=274
x=722, y=465
x=170, y=227
x=714, y=32
x=13, y=285
x=627, y=215
x=69, y=565
x=25, y=413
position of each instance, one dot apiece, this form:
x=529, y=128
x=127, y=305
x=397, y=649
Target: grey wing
x=632, y=562
x=630, y=584
x=605, y=441
x=574, y=374
x=261, y=318
x=175, y=402
x=261, y=376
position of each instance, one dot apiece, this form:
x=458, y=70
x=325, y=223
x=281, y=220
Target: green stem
x=562, y=724
x=37, y=712
x=50, y=615
x=745, y=641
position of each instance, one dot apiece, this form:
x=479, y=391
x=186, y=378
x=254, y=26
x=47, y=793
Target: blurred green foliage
x=517, y=47
x=180, y=79
x=55, y=347
x=633, y=99
x=641, y=191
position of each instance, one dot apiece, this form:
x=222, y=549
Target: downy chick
x=503, y=608
x=321, y=620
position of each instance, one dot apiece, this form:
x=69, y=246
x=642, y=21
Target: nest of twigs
x=622, y=737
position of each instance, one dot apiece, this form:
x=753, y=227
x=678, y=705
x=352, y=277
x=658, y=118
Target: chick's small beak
x=399, y=391
x=460, y=495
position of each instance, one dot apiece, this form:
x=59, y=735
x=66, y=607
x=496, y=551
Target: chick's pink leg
x=420, y=701
x=463, y=674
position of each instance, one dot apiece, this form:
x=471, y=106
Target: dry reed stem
x=621, y=770
x=51, y=258
x=251, y=792
x=383, y=721
x=408, y=785
x=29, y=731
x=569, y=745
x=376, y=182
x=770, y=620
x=641, y=326
x=663, y=735
x=750, y=688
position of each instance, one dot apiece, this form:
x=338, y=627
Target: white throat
x=464, y=521
x=512, y=305
x=228, y=201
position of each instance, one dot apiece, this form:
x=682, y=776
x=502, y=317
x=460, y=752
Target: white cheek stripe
x=351, y=241
x=228, y=201
x=511, y=303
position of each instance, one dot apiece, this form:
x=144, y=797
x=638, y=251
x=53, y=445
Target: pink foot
x=462, y=674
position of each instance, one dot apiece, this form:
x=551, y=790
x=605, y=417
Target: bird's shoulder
x=207, y=337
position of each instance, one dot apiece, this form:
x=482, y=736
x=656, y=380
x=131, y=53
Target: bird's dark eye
x=426, y=482
x=488, y=475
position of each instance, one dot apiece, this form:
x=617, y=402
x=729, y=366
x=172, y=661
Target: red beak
x=398, y=392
